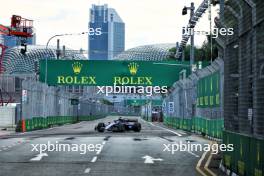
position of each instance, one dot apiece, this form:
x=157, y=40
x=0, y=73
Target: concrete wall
x=7, y=116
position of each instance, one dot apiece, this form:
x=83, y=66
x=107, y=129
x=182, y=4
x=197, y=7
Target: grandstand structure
x=155, y=52
x=15, y=62
x=18, y=67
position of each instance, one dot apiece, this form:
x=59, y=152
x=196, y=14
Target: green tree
x=201, y=54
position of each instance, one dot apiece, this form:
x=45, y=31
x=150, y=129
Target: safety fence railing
x=45, y=106
x=208, y=127
x=244, y=87
x=247, y=158
x=195, y=103
x=37, y=123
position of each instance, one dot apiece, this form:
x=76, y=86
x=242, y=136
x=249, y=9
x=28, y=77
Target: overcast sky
x=147, y=21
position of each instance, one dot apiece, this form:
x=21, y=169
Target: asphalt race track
x=120, y=154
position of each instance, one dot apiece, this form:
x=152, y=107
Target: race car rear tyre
x=137, y=127
x=101, y=127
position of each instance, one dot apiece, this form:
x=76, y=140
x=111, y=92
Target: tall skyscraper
x=112, y=40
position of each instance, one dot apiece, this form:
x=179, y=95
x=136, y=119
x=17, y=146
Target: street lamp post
x=46, y=64
x=46, y=73
x=184, y=12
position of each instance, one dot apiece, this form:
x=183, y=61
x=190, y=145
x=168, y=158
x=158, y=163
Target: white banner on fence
x=171, y=107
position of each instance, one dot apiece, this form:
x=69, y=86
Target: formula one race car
x=120, y=125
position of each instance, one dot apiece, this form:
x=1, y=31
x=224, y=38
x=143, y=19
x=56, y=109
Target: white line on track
x=104, y=142
x=99, y=151
x=39, y=157
x=174, y=132
x=182, y=132
x=197, y=156
x=87, y=170
x=94, y=159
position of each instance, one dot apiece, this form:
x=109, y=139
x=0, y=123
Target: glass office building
x=112, y=40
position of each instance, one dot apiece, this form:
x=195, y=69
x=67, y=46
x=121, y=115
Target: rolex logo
x=133, y=68
x=77, y=67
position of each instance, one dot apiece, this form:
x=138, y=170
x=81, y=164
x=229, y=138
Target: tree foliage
x=200, y=54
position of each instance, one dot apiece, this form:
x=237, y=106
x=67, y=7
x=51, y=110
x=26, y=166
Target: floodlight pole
x=46, y=63
x=46, y=73
x=192, y=38
x=189, y=27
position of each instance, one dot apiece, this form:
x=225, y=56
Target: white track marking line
x=182, y=132
x=174, y=132
x=39, y=157
x=94, y=159
x=87, y=170
x=197, y=156
x=99, y=151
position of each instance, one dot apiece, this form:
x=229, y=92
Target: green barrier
x=45, y=124
x=174, y=123
x=207, y=126
x=247, y=159
x=243, y=155
x=40, y=123
x=34, y=123
x=229, y=156
x=200, y=125
x=178, y=123
x=28, y=124
x=257, y=157
x=210, y=127
x=39, y=120
x=192, y=121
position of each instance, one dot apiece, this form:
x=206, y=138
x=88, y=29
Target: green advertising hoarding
x=208, y=91
x=140, y=102
x=108, y=73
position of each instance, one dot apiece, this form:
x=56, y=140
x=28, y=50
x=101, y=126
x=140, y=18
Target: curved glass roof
x=15, y=62
x=156, y=52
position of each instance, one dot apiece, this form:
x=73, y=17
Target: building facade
x=111, y=42
x=12, y=41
